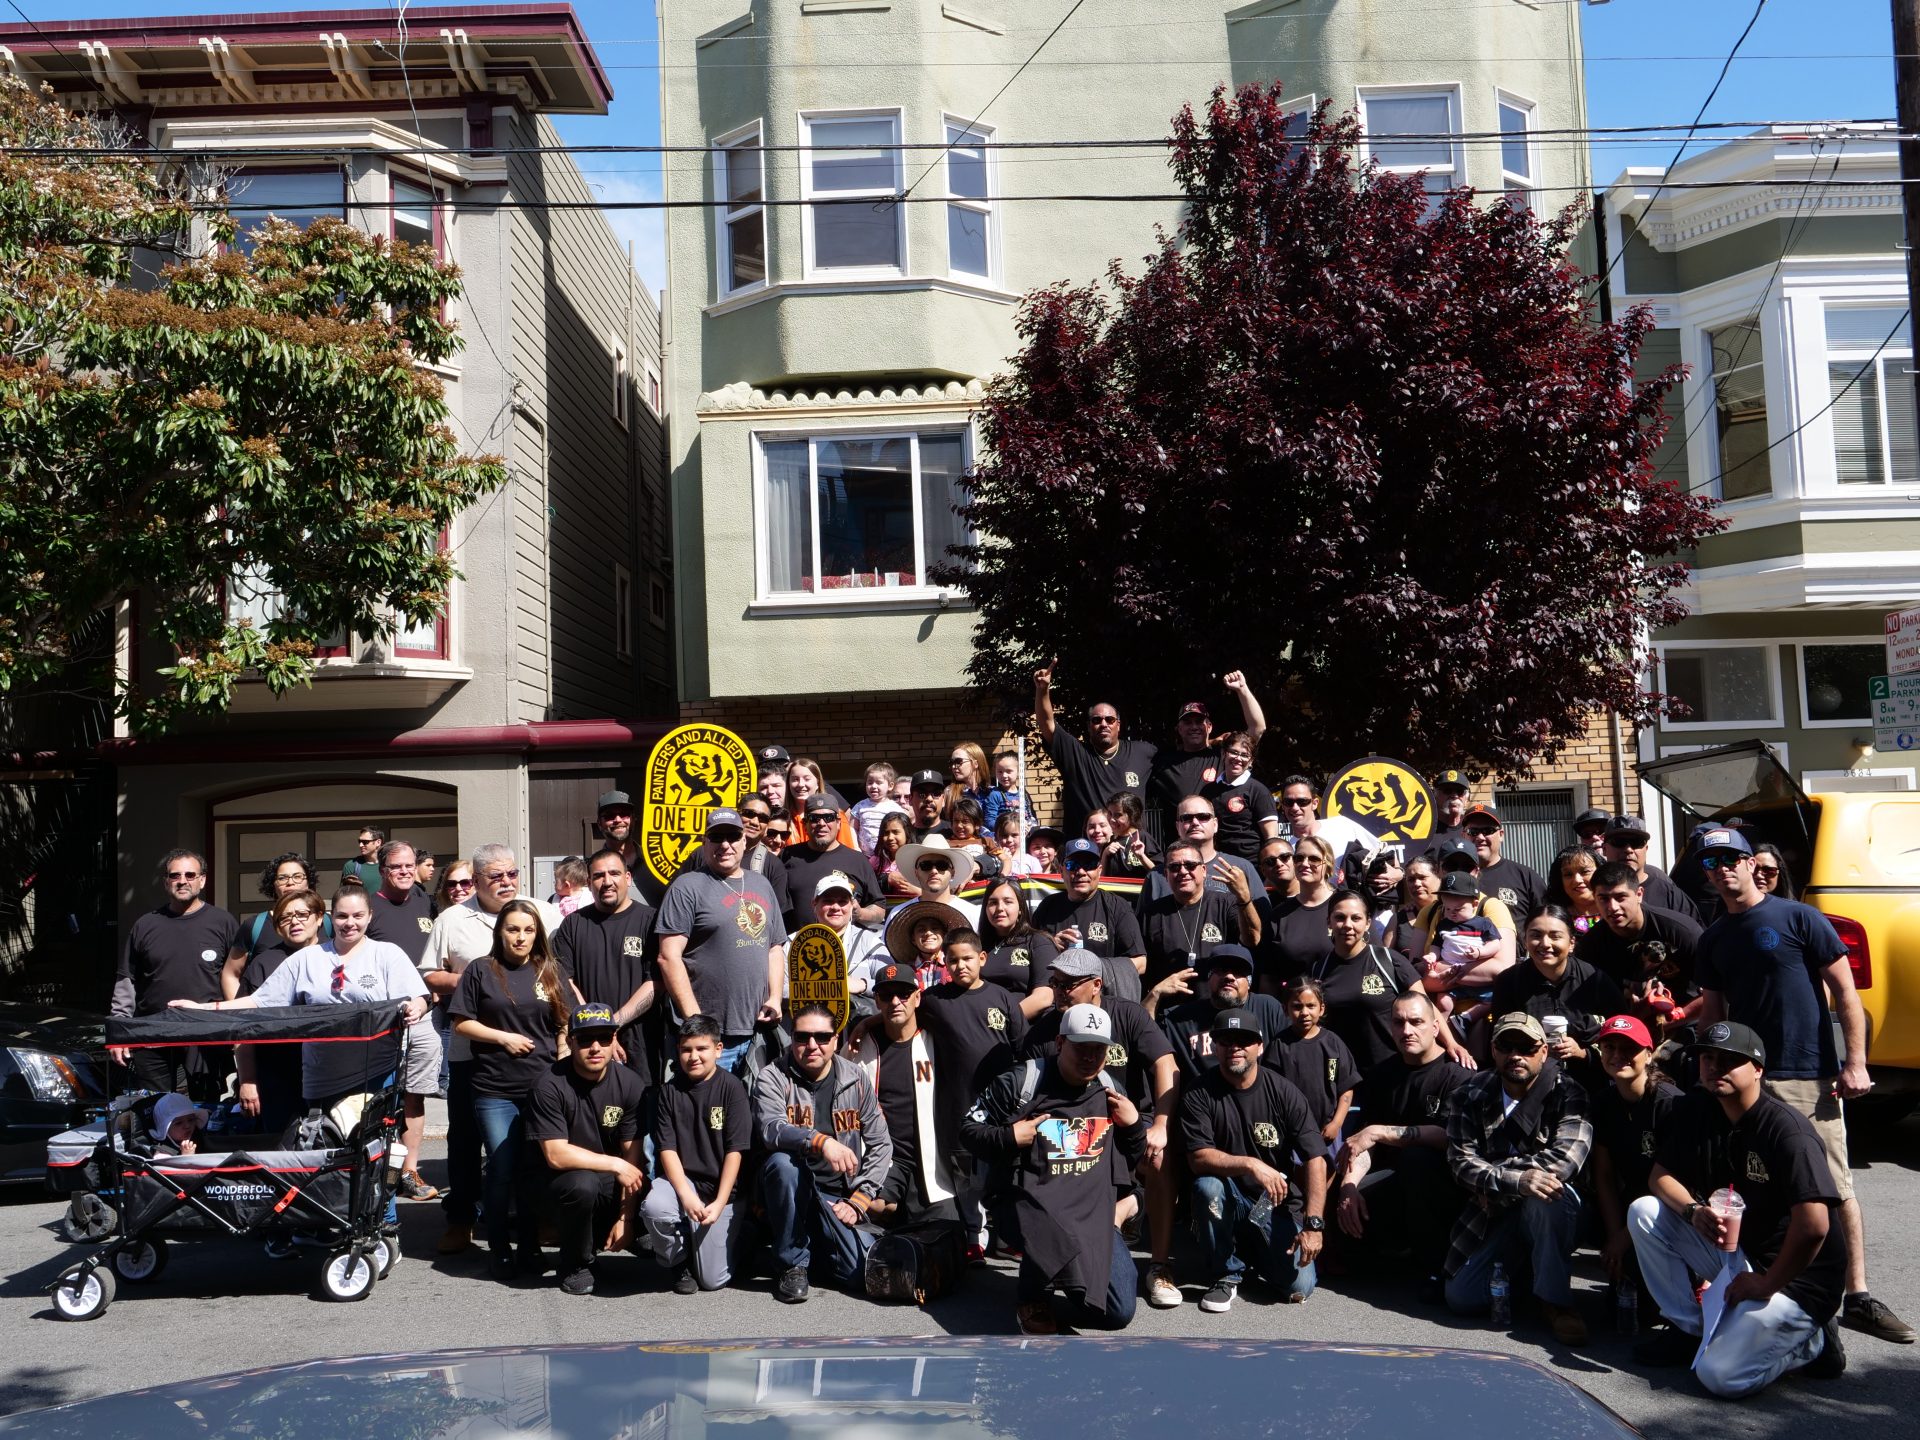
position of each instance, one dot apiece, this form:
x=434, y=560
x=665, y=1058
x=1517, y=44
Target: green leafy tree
x=259, y=418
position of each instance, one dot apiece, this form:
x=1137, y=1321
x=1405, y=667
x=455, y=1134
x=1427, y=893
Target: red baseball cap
x=1194, y=707
x=1631, y=1026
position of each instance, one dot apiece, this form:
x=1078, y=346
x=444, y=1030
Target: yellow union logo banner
x=1388, y=798
x=817, y=972
x=692, y=772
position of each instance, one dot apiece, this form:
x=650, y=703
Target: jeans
x=733, y=1052
x=1123, y=1290
x=1234, y=1230
x=1540, y=1230
x=503, y=1130
x=801, y=1217
x=666, y=1227
x=1757, y=1340
x=464, y=1150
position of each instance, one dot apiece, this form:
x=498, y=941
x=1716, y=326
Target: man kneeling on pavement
x=1516, y=1138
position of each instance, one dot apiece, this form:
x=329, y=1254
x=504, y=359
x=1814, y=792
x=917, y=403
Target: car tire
x=347, y=1276
x=78, y=1295
x=139, y=1262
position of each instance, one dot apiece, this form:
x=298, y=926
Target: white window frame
x=654, y=399
x=1800, y=671
x=918, y=593
x=1304, y=106
x=622, y=612
x=747, y=137
x=763, y=1394
x=1776, y=718
x=657, y=601
x=622, y=381
x=1455, y=125
x=1510, y=182
x=810, y=269
x=1765, y=321
x=954, y=129
x=1893, y=365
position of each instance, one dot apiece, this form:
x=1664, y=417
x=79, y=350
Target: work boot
x=457, y=1237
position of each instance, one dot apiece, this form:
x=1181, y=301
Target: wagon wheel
x=348, y=1276
x=88, y=1218
x=78, y=1295
x=140, y=1261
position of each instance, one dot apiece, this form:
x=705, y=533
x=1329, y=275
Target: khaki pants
x=1819, y=1101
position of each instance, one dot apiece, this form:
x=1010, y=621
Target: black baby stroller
x=323, y=1185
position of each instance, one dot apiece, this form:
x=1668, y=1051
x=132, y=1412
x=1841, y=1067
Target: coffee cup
x=1728, y=1208
x=1556, y=1028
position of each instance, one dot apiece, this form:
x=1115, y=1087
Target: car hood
x=963, y=1387
x=42, y=1027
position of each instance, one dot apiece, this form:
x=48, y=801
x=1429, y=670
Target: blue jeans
x=503, y=1130
x=801, y=1218
x=1236, y=1233
x=1123, y=1290
x=1542, y=1231
x=732, y=1053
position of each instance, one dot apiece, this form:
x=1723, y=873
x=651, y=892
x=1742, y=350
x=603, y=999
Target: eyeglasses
x=592, y=1042
x=1766, y=872
x=1083, y=862
x=819, y=1039
x=1188, y=817
x=1181, y=867
x=1308, y=860
x=1103, y=719
x=339, y=978
x=296, y=915
x=1285, y=858
x=183, y=874
x=759, y=817
x=366, y=840
x=958, y=760
x=453, y=885
x=833, y=819
x=398, y=869
x=1071, y=982
x=1523, y=1045
x=777, y=834
x=1721, y=862
x=1478, y=831
x=1296, y=802
x=494, y=877
x=925, y=866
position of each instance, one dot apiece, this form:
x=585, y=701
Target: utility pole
x=1906, y=91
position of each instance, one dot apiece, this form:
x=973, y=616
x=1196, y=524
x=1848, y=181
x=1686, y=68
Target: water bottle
x=1626, y=1308
x=1502, y=1317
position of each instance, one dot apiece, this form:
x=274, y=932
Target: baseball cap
x=1194, y=707
x=894, y=977
x=1452, y=849
x=1451, y=780
x=615, y=797
x=1084, y=1023
x=929, y=780
x=1459, y=883
x=1592, y=817
x=1722, y=837
x=1621, y=826
x=1045, y=832
x=773, y=755
x=1733, y=1038
x=1077, y=848
x=1076, y=962
x=1482, y=811
x=591, y=1016
x=1521, y=1021
x=833, y=880
x=819, y=805
x=725, y=818
x=1237, y=1022
x=1631, y=1026
x=1238, y=956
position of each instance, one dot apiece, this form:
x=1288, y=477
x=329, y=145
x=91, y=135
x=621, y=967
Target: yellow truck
x=1856, y=856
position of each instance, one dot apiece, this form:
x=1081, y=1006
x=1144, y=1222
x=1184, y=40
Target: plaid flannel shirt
x=1559, y=1142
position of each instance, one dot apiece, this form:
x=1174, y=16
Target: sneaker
x=1872, y=1317
x=500, y=1265
x=412, y=1187
x=684, y=1283
x=1666, y=1348
x=976, y=1254
x=1432, y=1290
x=792, y=1289
x=455, y=1238
x=1162, y=1293
x=1831, y=1362
x=1565, y=1322
x=577, y=1282
x=1219, y=1299
x=1037, y=1318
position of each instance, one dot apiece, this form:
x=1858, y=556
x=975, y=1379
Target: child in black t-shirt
x=700, y=1135
x=1316, y=1060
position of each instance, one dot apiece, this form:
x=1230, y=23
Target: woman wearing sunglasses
x=269, y=1084
x=456, y=886
x=1298, y=939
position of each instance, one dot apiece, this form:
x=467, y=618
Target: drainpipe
x=526, y=412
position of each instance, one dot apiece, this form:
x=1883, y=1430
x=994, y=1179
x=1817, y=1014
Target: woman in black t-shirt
x=1006, y=931
x=1298, y=938
x=513, y=1007
x=269, y=1088
x=1628, y=1115
x=1419, y=888
x=1361, y=981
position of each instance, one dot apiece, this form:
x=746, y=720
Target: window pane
x=1837, y=678
x=1852, y=327
x=743, y=177
x=747, y=247
x=856, y=162
x=412, y=214
x=299, y=199
x=787, y=1379
x=1856, y=422
x=418, y=637
x=1740, y=402
x=1425, y=115
x=866, y=512
x=855, y=233
x=789, y=532
x=942, y=460
x=1513, y=149
x=967, y=240
x=966, y=164
x=1896, y=397
x=251, y=597
x=1720, y=686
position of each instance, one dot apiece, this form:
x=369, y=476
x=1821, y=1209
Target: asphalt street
x=223, y=1306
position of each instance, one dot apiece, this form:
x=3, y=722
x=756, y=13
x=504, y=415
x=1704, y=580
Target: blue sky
x=1649, y=62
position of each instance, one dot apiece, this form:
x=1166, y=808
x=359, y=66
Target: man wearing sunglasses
x=821, y=854
x=584, y=1115
x=176, y=953
x=818, y=1122
x=1777, y=965
x=1087, y=917
x=1521, y=888
x=1094, y=770
x=765, y=829
x=1517, y=1136
x=1184, y=926
x=1627, y=839
x=614, y=821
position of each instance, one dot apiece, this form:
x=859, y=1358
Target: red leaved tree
x=1384, y=460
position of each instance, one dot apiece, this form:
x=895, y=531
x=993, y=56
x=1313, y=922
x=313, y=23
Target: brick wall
x=1590, y=758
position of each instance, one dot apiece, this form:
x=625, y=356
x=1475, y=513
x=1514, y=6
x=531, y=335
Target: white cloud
x=645, y=229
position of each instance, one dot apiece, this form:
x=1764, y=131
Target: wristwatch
x=1693, y=1209
x=1313, y=1223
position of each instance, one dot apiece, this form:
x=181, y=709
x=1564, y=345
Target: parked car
x=1856, y=856
x=52, y=1072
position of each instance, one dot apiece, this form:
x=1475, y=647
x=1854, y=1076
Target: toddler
x=868, y=813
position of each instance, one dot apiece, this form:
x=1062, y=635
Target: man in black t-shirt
x=901, y=1061
x=1245, y=1127
x=176, y=953
x=1781, y=1314
x=820, y=856
x=927, y=799
x=1519, y=887
x=702, y=1130
x=1086, y=917
x=402, y=914
x=1393, y=1184
x=1194, y=759
x=584, y=1114
x=1187, y=1019
x=1094, y=770
x=1184, y=926
x=607, y=946
x=1647, y=951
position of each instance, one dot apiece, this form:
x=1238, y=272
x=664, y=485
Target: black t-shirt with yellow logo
x=703, y=1122
x=598, y=1115
x=513, y=999
x=1023, y=964
x=405, y=923
x=976, y=1034
x=1268, y=1121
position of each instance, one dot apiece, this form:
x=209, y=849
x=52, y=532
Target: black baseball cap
x=773, y=755
x=1732, y=1038
x=894, y=977
x=820, y=805
x=1591, y=817
x=1459, y=884
x=593, y=1017
x=1452, y=780
x=928, y=780
x=1454, y=848
x=1237, y=1022
x=1237, y=957
x=1623, y=826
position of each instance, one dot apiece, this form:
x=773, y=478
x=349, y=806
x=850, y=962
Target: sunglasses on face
x=593, y=1042
x=1308, y=860
x=1766, y=872
x=1296, y=802
x=1181, y=867
x=1083, y=862
x=1276, y=859
x=183, y=874
x=1103, y=720
x=1522, y=1046
x=777, y=832
x=1480, y=832
x=819, y=1039
x=496, y=877
x=926, y=867
x=459, y=885
x=1193, y=817
x=1720, y=862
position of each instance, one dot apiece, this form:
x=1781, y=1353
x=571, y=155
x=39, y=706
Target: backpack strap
x=1030, y=1081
